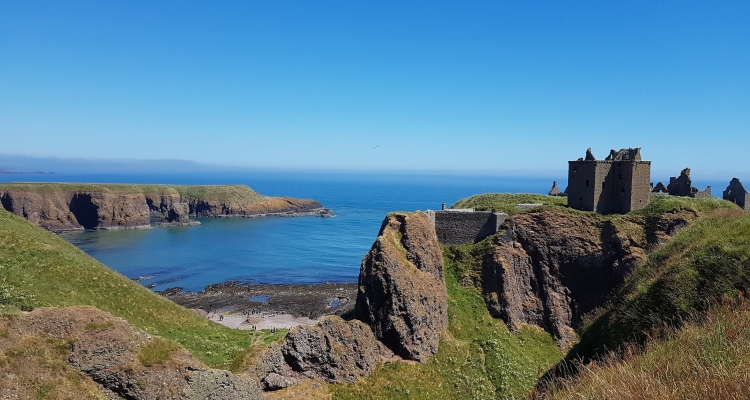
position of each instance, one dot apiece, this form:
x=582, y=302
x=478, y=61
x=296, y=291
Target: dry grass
x=707, y=359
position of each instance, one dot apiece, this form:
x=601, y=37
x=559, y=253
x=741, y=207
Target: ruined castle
x=618, y=184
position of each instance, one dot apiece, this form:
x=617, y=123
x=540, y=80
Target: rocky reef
x=61, y=207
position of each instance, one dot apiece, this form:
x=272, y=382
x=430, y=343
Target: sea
x=275, y=250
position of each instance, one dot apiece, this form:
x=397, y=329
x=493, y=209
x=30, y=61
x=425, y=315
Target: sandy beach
x=260, y=322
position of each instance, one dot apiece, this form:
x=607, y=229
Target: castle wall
x=582, y=178
x=640, y=178
x=609, y=186
x=456, y=227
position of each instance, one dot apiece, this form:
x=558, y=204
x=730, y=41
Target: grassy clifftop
x=680, y=323
x=507, y=202
x=224, y=193
x=37, y=268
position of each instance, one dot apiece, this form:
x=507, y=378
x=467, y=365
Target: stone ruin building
x=618, y=184
x=555, y=191
x=737, y=194
x=682, y=186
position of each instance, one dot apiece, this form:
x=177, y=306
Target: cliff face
x=198, y=207
x=60, y=207
x=552, y=267
x=402, y=305
x=58, y=211
x=402, y=293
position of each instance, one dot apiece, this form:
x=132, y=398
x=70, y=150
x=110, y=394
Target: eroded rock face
x=551, y=267
x=268, y=205
x=58, y=211
x=402, y=294
x=91, y=206
x=333, y=351
x=106, y=351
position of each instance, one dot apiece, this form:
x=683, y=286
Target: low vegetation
x=507, y=202
x=224, y=193
x=707, y=358
x=37, y=269
x=702, y=264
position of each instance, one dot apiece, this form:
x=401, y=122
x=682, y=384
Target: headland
x=78, y=206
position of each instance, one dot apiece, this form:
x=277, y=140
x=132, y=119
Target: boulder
x=333, y=350
x=402, y=294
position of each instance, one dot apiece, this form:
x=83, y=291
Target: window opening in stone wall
x=587, y=183
x=620, y=175
x=575, y=169
x=623, y=190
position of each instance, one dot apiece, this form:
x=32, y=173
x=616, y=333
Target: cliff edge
x=551, y=267
x=62, y=206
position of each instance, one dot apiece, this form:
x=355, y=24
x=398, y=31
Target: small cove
x=276, y=250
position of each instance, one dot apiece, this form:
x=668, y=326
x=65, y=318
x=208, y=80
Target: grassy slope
x=681, y=322
x=700, y=265
x=706, y=359
x=480, y=359
x=39, y=269
x=239, y=193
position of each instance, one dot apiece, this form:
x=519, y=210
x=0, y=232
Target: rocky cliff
x=402, y=305
x=60, y=207
x=402, y=294
x=551, y=267
x=82, y=352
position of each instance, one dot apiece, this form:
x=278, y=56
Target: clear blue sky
x=460, y=86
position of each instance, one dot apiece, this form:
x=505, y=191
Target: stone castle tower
x=618, y=184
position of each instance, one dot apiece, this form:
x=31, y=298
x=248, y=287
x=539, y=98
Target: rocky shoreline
x=301, y=302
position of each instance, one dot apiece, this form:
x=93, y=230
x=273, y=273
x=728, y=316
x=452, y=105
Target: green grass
x=479, y=359
x=156, y=351
x=702, y=264
x=507, y=202
x=705, y=359
x=224, y=193
x=37, y=268
x=659, y=205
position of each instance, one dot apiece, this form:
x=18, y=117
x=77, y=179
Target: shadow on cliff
x=84, y=210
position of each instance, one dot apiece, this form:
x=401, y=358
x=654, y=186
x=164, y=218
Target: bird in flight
x=376, y=146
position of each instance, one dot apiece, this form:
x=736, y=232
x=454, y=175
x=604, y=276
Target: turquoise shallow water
x=275, y=250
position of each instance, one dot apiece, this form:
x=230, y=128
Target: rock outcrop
x=552, y=267
x=105, y=357
x=333, y=351
x=402, y=294
x=402, y=303
x=61, y=207
x=279, y=206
